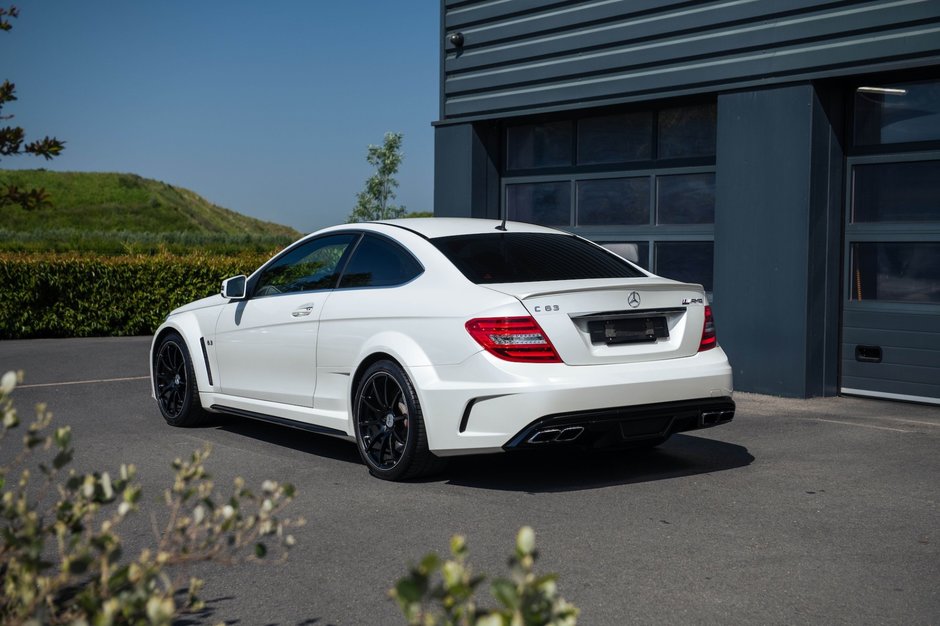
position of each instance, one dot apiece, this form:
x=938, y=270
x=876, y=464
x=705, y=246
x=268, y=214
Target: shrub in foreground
x=442, y=592
x=62, y=559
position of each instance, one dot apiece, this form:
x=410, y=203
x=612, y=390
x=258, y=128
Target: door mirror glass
x=234, y=288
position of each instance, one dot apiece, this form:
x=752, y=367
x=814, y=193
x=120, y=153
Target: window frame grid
x=889, y=232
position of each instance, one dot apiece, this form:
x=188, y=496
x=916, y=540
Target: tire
x=389, y=425
x=174, y=382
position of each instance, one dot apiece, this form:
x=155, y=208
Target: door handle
x=303, y=311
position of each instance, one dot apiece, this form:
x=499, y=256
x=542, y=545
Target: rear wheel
x=175, y=383
x=389, y=425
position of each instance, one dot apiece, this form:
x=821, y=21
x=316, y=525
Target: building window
x=635, y=251
x=897, y=113
x=686, y=261
x=547, y=203
x=613, y=201
x=688, y=131
x=641, y=182
x=892, y=229
x=895, y=271
x=621, y=138
x=533, y=146
x=896, y=192
x=685, y=199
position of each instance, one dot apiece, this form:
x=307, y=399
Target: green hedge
x=80, y=296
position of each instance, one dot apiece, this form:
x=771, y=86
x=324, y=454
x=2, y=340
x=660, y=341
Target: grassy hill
x=109, y=212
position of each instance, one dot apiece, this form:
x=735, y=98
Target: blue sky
x=266, y=108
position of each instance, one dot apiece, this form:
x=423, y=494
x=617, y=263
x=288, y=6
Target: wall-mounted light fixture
x=887, y=91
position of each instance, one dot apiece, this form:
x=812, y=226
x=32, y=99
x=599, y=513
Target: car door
x=368, y=301
x=266, y=344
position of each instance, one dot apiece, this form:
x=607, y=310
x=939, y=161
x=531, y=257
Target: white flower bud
x=8, y=383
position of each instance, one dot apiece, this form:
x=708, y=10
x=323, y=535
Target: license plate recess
x=632, y=329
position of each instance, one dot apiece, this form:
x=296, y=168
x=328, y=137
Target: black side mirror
x=234, y=288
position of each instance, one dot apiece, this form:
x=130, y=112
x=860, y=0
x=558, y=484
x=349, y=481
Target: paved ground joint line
x=897, y=430
x=83, y=382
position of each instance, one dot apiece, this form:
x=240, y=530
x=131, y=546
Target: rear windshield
x=530, y=257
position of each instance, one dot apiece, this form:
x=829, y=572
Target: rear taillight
x=518, y=339
x=709, y=340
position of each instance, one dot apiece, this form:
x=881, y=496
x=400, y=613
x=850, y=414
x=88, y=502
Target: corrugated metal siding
x=530, y=55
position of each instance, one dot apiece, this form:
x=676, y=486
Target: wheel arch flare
x=188, y=328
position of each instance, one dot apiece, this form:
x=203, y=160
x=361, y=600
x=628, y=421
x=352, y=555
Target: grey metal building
x=783, y=153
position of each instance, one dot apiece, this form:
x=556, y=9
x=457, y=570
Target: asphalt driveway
x=819, y=511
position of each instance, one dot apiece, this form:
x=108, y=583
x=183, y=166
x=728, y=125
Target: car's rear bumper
x=625, y=425
x=486, y=404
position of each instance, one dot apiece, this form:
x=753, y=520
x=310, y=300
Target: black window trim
x=256, y=275
x=378, y=235
x=358, y=235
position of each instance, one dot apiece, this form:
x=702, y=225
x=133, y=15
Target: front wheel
x=175, y=383
x=389, y=425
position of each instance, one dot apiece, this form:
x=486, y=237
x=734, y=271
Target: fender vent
x=205, y=355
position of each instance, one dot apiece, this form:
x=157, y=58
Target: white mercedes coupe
x=425, y=338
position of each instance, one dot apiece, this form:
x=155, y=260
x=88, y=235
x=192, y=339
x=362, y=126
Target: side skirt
x=281, y=421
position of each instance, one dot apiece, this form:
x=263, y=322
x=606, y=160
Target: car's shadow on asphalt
x=532, y=471
x=681, y=455
x=293, y=438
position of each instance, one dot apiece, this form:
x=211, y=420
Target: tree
x=374, y=202
x=12, y=139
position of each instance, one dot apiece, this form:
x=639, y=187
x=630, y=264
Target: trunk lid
x=615, y=320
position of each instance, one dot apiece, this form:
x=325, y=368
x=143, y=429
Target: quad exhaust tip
x=557, y=435
x=713, y=418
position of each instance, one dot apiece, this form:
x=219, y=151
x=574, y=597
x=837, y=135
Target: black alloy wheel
x=175, y=383
x=389, y=425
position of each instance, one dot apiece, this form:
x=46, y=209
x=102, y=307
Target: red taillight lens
x=518, y=339
x=709, y=339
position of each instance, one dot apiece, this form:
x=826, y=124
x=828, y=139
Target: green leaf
x=63, y=436
x=407, y=590
x=62, y=459
x=430, y=563
x=458, y=546
x=79, y=564
x=260, y=550
x=505, y=593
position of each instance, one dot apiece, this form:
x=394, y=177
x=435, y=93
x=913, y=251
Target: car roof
x=432, y=227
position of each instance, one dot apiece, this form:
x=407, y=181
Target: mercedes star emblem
x=633, y=299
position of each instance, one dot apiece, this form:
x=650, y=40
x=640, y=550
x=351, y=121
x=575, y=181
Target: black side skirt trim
x=281, y=421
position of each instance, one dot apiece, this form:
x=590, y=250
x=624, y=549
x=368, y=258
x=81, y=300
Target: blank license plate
x=628, y=330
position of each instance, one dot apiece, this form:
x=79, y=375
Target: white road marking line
x=897, y=430
x=901, y=420
x=83, y=382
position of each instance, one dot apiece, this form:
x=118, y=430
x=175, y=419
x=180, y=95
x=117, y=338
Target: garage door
x=891, y=317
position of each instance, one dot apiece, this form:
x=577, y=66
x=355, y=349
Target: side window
x=310, y=266
x=378, y=262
